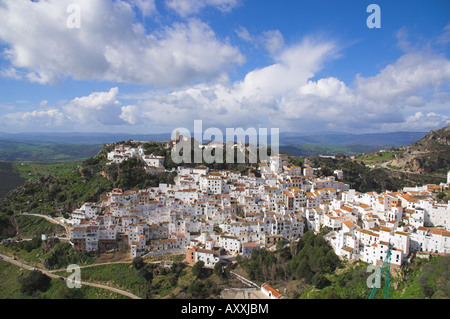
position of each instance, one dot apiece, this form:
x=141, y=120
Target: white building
x=209, y=257
x=154, y=161
x=231, y=244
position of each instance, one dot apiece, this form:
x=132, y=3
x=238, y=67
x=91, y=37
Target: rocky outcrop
x=428, y=155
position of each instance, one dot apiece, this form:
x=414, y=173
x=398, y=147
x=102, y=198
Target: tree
x=146, y=273
x=199, y=270
x=320, y=281
x=303, y=271
x=34, y=283
x=138, y=263
x=218, y=269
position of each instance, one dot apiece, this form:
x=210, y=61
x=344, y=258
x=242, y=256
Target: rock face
x=427, y=155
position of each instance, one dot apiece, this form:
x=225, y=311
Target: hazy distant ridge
x=286, y=138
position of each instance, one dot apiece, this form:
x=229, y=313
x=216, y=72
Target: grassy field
x=36, y=169
x=123, y=276
x=31, y=226
x=10, y=287
x=377, y=157
x=35, y=257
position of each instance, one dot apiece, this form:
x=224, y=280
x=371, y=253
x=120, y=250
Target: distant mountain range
x=81, y=138
x=373, y=139
x=286, y=138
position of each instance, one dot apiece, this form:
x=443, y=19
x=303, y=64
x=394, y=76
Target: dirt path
x=21, y=264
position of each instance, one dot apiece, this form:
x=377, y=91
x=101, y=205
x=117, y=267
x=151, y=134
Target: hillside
x=25, y=151
x=319, y=149
x=367, y=179
x=428, y=155
x=10, y=178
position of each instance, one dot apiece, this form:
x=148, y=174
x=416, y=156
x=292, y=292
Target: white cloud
x=444, y=38
x=97, y=111
x=110, y=45
x=35, y=120
x=273, y=41
x=409, y=94
x=189, y=7
x=260, y=95
x=147, y=7
x=286, y=95
x=97, y=108
x=419, y=122
x=243, y=34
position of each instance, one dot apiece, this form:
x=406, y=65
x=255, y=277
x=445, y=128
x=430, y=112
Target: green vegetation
x=316, y=149
x=422, y=279
x=430, y=155
x=444, y=196
x=432, y=279
x=28, y=251
x=140, y=278
x=377, y=157
x=50, y=195
x=35, y=283
x=10, y=178
x=365, y=179
x=29, y=170
x=31, y=226
x=9, y=285
x=13, y=175
x=51, y=254
x=13, y=278
x=12, y=151
x=309, y=261
x=153, y=281
x=122, y=276
x=60, y=255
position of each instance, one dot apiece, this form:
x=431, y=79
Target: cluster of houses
x=122, y=153
x=214, y=216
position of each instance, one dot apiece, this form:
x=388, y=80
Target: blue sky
x=150, y=66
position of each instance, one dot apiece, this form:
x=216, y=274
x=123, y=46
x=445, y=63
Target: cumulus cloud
x=419, y=122
x=97, y=108
x=109, y=45
x=97, y=111
x=261, y=94
x=38, y=119
x=287, y=95
x=411, y=93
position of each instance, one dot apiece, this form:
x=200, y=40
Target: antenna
x=387, y=269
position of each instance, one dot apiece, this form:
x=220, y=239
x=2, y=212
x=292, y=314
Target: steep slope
x=428, y=155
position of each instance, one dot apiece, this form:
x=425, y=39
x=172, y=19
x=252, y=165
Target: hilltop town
x=213, y=216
